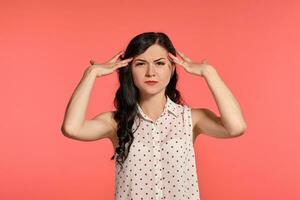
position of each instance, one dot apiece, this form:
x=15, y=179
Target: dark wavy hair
x=127, y=95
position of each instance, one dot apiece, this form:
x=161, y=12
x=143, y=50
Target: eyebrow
x=146, y=61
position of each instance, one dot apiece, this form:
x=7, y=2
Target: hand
x=189, y=65
x=110, y=66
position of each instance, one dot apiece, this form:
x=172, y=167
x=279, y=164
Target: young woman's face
x=152, y=65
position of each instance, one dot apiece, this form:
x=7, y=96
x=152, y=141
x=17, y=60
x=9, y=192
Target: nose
x=150, y=70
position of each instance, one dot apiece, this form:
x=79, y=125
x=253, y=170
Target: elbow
x=66, y=131
x=239, y=131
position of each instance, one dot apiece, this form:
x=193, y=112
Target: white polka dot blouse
x=161, y=161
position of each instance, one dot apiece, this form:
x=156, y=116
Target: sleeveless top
x=161, y=161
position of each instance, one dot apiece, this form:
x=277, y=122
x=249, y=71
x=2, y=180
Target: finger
x=124, y=62
x=171, y=56
x=127, y=60
x=92, y=62
x=175, y=59
x=115, y=58
x=184, y=56
x=120, y=57
x=178, y=61
x=120, y=64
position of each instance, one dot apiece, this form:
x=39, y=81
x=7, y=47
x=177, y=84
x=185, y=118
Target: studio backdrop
x=45, y=46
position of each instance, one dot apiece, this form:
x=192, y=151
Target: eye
x=161, y=63
x=139, y=64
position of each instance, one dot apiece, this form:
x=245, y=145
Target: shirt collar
x=170, y=106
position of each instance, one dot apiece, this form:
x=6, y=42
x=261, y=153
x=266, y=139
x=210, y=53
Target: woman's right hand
x=109, y=66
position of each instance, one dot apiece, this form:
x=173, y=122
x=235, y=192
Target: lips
x=151, y=81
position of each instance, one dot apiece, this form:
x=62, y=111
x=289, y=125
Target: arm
x=231, y=122
x=75, y=125
x=103, y=125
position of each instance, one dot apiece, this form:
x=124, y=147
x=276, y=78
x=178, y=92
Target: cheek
x=167, y=78
x=137, y=77
x=166, y=75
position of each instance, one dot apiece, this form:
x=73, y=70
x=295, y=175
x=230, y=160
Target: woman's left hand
x=189, y=65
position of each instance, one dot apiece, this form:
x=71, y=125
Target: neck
x=153, y=106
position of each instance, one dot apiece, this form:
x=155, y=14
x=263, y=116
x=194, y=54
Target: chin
x=152, y=91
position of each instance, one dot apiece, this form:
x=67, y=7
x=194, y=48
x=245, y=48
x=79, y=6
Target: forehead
x=154, y=52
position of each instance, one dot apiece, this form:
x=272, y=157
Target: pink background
x=46, y=46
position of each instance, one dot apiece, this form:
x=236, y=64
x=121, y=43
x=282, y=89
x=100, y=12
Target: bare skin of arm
x=75, y=125
x=230, y=123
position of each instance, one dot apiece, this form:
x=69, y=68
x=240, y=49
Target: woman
x=152, y=131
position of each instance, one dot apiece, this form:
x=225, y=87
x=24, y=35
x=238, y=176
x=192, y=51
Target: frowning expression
x=152, y=65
